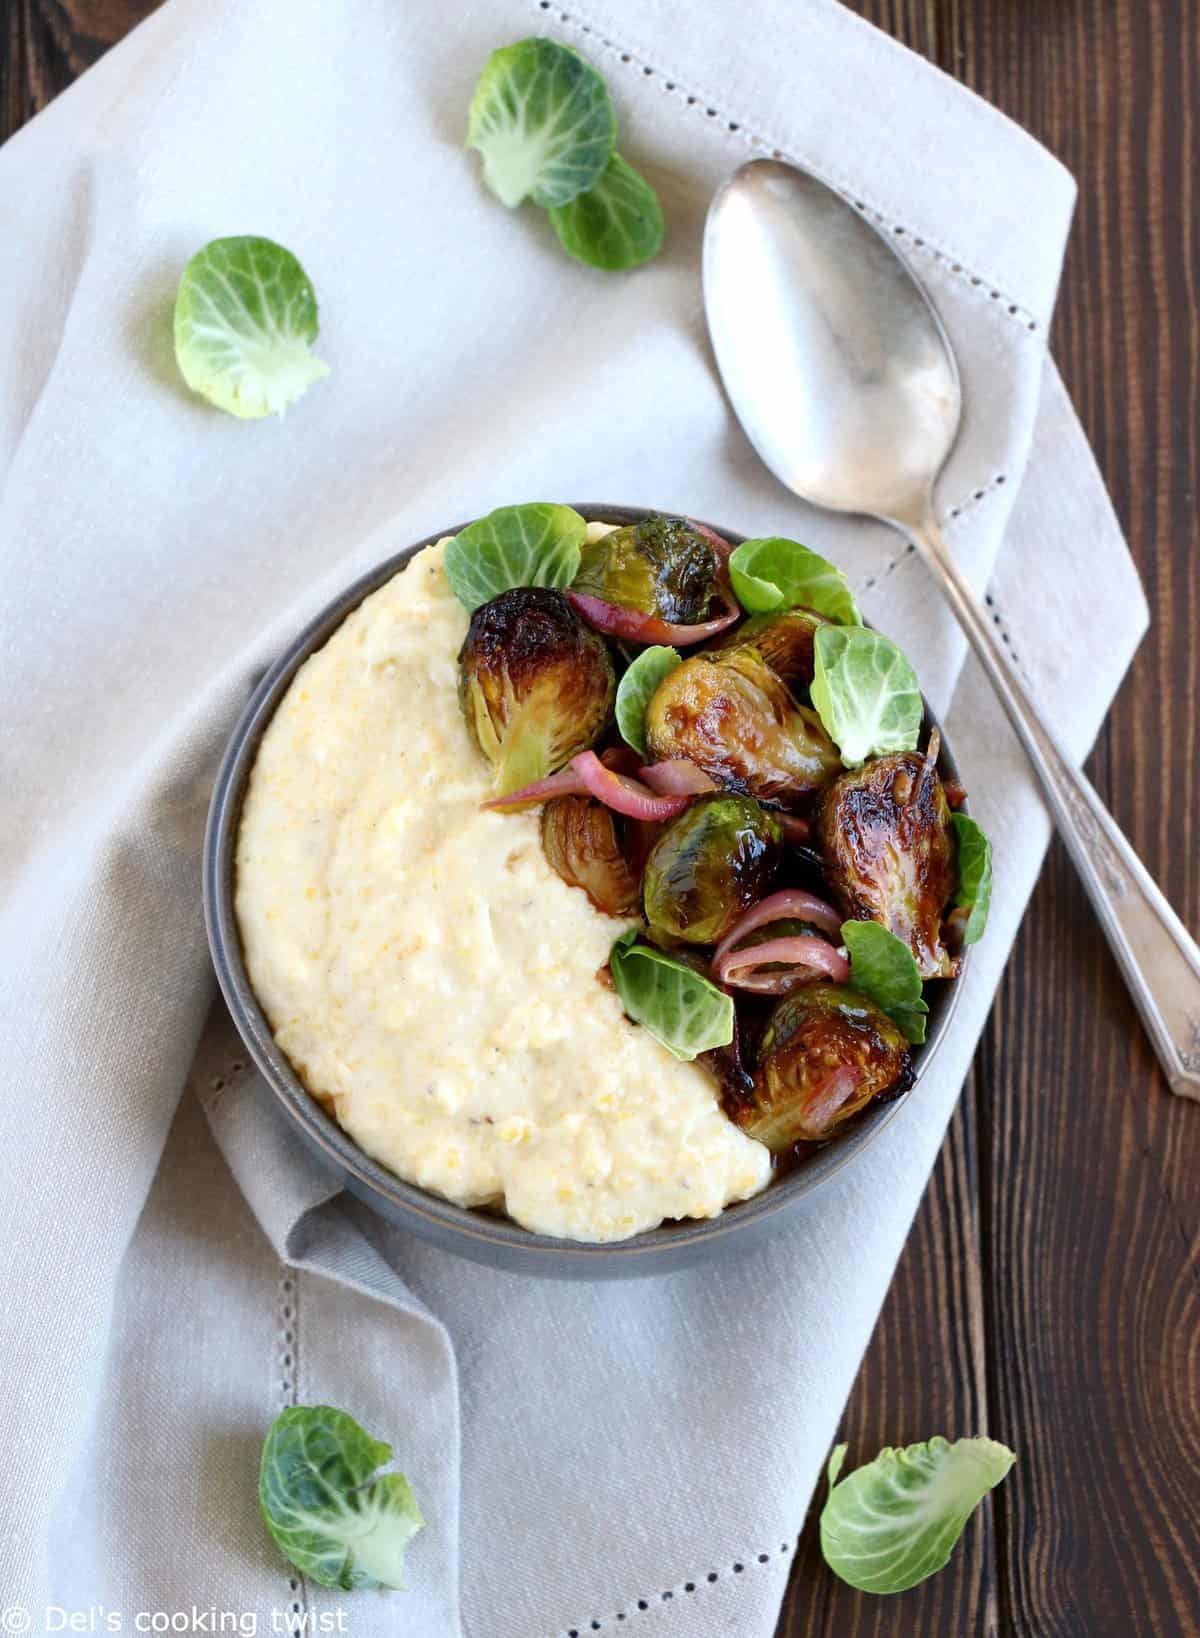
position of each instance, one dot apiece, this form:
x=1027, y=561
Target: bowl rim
x=477, y=1232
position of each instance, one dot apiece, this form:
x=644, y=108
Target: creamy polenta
x=427, y=972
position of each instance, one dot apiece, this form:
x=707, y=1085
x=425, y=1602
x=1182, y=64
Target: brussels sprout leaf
x=616, y=224
x=534, y=545
x=543, y=121
x=896, y=1521
x=773, y=574
x=245, y=322
x=635, y=691
x=883, y=968
x=687, y=1013
x=865, y=693
x=327, y=1514
x=974, y=874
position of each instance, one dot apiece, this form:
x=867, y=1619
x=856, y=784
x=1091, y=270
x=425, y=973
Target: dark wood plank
x=1050, y=1291
x=45, y=44
x=1092, y=1181
x=1089, y=1198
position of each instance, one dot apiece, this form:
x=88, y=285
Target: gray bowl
x=483, y=1236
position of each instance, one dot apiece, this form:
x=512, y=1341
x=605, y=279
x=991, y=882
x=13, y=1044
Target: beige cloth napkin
x=583, y=1454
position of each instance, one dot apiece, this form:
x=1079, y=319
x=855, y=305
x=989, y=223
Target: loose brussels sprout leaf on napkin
x=773, y=573
x=543, y=121
x=865, y=693
x=245, y=322
x=687, y=1013
x=635, y=690
x=534, y=545
x=326, y=1512
x=896, y=1521
x=882, y=967
x=974, y=875
x=614, y=225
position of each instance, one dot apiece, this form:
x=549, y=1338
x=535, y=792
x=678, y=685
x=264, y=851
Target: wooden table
x=1050, y=1291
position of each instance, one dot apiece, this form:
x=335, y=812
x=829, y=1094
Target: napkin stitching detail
x=641, y=1605
x=998, y=619
x=899, y=558
x=971, y=500
x=977, y=495
x=1002, y=630
x=289, y=1374
x=1015, y=310
x=222, y=1083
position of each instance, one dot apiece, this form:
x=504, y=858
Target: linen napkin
x=590, y=1458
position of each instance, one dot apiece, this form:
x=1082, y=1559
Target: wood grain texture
x=1050, y=1291
x=1083, y=1249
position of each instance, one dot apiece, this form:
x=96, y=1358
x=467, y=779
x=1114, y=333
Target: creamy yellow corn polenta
x=429, y=975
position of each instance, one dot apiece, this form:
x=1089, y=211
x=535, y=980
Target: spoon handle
x=1158, y=957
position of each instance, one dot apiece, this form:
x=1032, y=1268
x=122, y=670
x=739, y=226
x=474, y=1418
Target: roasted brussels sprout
x=581, y=842
x=825, y=1053
x=536, y=685
x=885, y=835
x=660, y=567
x=732, y=716
x=785, y=642
x=709, y=866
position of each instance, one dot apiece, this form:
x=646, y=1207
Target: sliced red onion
x=678, y=777
x=624, y=795
x=792, y=904
x=621, y=759
x=566, y=782
x=797, y=832
x=617, y=621
x=804, y=954
x=833, y=1093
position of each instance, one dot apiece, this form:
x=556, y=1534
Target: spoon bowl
x=831, y=353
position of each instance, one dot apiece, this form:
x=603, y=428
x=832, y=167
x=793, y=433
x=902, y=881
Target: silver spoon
x=845, y=382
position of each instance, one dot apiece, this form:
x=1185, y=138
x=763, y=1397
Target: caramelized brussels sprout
x=732, y=716
x=660, y=567
x=785, y=642
x=709, y=866
x=884, y=832
x=536, y=685
x=825, y=1053
x=580, y=839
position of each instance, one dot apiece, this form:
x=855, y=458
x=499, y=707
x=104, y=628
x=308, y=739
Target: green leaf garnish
x=686, y=1013
x=543, y=121
x=896, y=1520
x=974, y=874
x=614, y=225
x=245, y=322
x=327, y=1514
x=534, y=545
x=635, y=691
x=884, y=969
x=865, y=693
x=773, y=574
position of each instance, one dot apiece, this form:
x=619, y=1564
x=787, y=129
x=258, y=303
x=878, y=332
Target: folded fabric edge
x=1026, y=268
x=104, y=79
